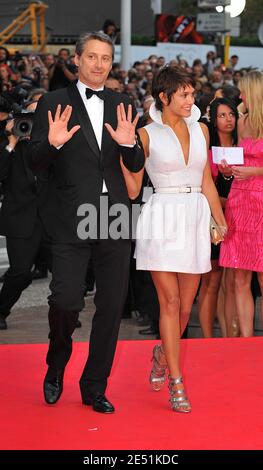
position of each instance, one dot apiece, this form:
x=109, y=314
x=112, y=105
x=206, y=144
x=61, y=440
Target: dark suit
x=20, y=220
x=79, y=168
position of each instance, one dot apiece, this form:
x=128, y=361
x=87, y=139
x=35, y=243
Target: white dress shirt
x=95, y=109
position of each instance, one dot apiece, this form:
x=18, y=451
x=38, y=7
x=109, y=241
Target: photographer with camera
x=23, y=208
x=64, y=72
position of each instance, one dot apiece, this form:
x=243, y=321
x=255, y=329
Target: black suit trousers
x=22, y=253
x=111, y=265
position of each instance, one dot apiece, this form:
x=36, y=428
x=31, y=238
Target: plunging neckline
x=156, y=116
x=186, y=164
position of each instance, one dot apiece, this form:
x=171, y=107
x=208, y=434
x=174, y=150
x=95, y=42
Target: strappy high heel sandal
x=158, y=372
x=178, y=397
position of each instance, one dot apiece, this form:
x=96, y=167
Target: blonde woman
x=243, y=246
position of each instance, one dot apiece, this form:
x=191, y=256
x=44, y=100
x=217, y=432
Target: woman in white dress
x=173, y=236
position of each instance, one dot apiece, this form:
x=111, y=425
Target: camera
x=23, y=123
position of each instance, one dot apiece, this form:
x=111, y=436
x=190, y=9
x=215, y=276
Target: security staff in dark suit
x=21, y=213
x=74, y=132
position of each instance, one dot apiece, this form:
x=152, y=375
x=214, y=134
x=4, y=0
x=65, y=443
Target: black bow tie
x=100, y=94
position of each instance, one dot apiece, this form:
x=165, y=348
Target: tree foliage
x=186, y=7
x=251, y=17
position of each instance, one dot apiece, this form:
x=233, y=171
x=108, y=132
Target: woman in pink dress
x=242, y=248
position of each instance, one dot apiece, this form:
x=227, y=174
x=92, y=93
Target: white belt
x=179, y=189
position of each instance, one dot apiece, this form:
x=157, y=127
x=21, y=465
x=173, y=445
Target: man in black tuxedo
x=79, y=141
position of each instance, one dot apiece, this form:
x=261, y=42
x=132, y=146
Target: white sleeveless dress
x=172, y=232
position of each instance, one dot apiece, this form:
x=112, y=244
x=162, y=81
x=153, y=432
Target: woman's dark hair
x=204, y=101
x=214, y=137
x=168, y=80
x=232, y=93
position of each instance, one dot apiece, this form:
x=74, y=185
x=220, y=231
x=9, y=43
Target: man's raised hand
x=58, y=127
x=125, y=132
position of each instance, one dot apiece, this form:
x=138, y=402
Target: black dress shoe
x=99, y=403
x=78, y=324
x=53, y=385
x=3, y=324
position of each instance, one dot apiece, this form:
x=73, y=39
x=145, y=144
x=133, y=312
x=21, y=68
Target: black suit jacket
x=24, y=196
x=79, y=167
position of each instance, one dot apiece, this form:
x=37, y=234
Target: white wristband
x=128, y=145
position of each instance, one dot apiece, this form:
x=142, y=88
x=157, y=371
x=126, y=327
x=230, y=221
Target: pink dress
x=243, y=245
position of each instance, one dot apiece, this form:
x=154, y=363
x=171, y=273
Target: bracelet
x=227, y=178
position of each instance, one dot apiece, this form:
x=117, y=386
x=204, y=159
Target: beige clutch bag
x=217, y=232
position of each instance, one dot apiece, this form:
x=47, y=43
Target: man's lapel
x=110, y=116
x=83, y=117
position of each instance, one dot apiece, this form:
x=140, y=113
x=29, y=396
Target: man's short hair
x=98, y=36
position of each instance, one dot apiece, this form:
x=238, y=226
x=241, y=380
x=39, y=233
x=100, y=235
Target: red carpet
x=223, y=377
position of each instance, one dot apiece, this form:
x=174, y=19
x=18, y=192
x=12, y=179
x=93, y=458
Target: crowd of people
x=182, y=111
x=21, y=73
